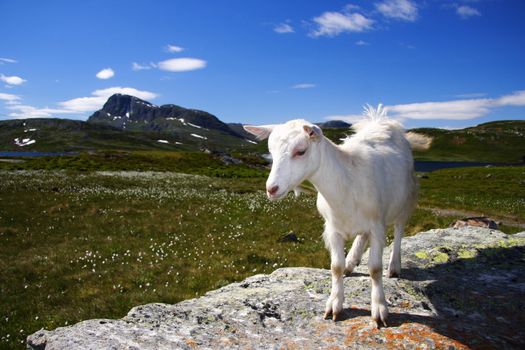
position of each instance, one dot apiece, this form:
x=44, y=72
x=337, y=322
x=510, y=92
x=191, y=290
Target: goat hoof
x=327, y=314
x=349, y=268
x=380, y=315
x=393, y=274
x=335, y=317
x=379, y=322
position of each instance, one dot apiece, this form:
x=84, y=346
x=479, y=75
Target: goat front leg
x=335, y=243
x=356, y=252
x=375, y=266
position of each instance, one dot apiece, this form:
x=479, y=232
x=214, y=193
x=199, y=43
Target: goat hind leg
x=354, y=255
x=394, y=266
x=375, y=266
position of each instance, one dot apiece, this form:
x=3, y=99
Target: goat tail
x=418, y=142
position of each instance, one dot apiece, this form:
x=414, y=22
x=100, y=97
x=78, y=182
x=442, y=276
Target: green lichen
x=511, y=242
x=422, y=255
x=467, y=253
x=440, y=257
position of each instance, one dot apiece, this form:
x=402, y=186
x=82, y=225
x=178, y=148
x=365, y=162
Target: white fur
x=363, y=185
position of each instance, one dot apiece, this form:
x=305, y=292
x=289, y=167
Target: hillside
x=500, y=141
x=63, y=135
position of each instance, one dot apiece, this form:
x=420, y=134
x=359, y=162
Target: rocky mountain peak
x=131, y=113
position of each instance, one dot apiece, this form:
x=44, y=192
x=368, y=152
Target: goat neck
x=333, y=174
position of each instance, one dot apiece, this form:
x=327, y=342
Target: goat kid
x=363, y=185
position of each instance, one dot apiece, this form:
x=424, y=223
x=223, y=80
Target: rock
x=480, y=221
x=289, y=237
x=229, y=160
x=459, y=289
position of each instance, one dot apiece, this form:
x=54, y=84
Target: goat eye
x=300, y=153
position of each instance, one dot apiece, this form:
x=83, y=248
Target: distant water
x=426, y=166
x=35, y=154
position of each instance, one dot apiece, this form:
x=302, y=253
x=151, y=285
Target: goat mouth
x=276, y=196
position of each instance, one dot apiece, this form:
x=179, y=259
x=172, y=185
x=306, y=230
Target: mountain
x=131, y=113
x=238, y=128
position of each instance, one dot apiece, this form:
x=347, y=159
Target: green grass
x=496, y=191
x=83, y=244
x=176, y=161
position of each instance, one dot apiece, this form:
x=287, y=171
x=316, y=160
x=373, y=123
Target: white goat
x=363, y=185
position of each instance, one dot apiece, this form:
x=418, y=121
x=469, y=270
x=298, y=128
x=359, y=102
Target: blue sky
x=433, y=63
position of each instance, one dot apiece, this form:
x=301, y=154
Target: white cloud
x=516, y=99
x=9, y=98
x=456, y=110
x=283, y=28
x=7, y=60
x=362, y=43
x=335, y=23
x=465, y=11
x=105, y=73
x=403, y=10
x=174, y=48
x=24, y=111
x=181, y=64
x=99, y=97
x=303, y=86
x=12, y=80
x=451, y=110
x=138, y=66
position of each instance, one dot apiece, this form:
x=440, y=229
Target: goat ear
x=261, y=132
x=313, y=131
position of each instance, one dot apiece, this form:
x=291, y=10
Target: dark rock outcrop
x=132, y=113
x=335, y=124
x=460, y=288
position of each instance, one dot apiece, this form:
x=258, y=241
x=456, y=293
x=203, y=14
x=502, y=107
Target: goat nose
x=273, y=190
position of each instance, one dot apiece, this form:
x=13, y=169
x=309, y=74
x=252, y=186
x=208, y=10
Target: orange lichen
x=192, y=343
x=414, y=335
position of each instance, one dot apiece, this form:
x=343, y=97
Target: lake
x=426, y=166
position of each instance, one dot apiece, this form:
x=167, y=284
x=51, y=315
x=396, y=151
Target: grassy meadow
x=78, y=243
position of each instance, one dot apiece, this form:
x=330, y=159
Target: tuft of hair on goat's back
x=418, y=142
